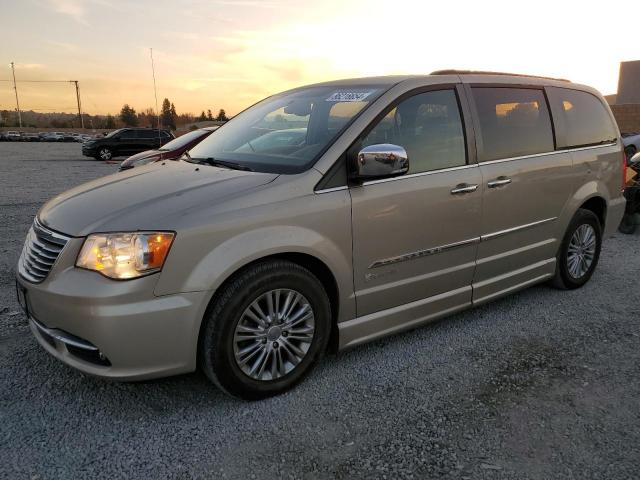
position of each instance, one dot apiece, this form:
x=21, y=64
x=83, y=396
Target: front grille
x=41, y=249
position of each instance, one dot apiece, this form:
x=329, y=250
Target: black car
x=126, y=141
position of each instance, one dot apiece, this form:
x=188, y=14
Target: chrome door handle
x=498, y=182
x=464, y=188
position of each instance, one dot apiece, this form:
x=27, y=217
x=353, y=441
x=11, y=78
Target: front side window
x=512, y=122
x=429, y=127
x=583, y=118
x=128, y=134
x=286, y=133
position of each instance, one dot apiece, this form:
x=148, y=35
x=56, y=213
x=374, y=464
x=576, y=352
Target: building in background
x=626, y=103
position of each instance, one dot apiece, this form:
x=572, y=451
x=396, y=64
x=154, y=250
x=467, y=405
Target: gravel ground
x=542, y=384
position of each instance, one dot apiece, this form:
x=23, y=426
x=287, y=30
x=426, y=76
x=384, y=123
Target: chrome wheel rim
x=105, y=154
x=274, y=334
x=582, y=251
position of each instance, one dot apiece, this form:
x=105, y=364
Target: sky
x=212, y=54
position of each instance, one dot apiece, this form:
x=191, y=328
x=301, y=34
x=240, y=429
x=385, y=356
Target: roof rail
x=482, y=72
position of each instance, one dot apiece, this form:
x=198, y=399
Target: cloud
x=73, y=8
x=29, y=66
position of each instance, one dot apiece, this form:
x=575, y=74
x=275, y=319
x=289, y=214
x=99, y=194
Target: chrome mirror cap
x=635, y=159
x=382, y=160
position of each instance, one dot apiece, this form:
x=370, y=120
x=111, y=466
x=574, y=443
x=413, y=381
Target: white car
x=13, y=136
x=631, y=143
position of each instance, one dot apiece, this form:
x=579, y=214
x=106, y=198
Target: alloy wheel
x=273, y=334
x=581, y=251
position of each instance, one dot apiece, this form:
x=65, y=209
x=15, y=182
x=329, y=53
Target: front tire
x=105, y=154
x=579, y=251
x=265, y=330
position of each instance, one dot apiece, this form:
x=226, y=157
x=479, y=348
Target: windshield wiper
x=223, y=163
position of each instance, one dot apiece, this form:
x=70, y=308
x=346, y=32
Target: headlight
x=125, y=255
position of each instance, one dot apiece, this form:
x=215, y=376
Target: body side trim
x=422, y=253
x=489, y=236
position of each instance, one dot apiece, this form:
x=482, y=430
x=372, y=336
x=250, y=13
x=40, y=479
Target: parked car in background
x=30, y=137
x=170, y=151
x=13, y=136
x=409, y=199
x=126, y=141
x=54, y=137
x=631, y=143
x=43, y=136
x=84, y=137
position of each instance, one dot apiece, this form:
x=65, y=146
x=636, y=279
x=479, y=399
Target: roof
x=482, y=72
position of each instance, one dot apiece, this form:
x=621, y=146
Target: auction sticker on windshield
x=349, y=96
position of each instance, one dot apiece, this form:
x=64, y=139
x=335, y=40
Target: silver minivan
x=321, y=218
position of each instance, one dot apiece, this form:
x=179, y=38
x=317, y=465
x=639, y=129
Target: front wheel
x=265, y=330
x=105, y=154
x=579, y=251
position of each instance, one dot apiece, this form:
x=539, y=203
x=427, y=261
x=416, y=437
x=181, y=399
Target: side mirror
x=634, y=160
x=380, y=161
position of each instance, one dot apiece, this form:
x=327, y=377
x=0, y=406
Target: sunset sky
x=230, y=53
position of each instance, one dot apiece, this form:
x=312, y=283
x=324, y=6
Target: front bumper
x=114, y=329
x=89, y=151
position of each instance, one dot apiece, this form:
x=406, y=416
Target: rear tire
x=277, y=355
x=579, y=251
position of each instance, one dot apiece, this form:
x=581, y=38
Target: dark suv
x=126, y=141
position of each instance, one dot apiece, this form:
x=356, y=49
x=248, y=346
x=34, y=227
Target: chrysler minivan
x=403, y=199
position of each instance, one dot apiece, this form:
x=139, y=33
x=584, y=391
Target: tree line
x=169, y=118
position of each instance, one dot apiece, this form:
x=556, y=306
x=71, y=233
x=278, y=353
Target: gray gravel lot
x=543, y=384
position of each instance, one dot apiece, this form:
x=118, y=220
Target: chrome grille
x=40, y=251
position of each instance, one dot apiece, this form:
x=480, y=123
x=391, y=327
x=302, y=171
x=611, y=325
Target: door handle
x=498, y=182
x=464, y=188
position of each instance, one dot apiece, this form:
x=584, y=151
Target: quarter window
x=583, y=117
x=512, y=122
x=429, y=127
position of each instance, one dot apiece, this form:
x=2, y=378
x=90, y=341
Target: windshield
x=182, y=140
x=115, y=132
x=287, y=132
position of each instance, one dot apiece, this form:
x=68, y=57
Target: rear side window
x=581, y=118
x=513, y=122
x=429, y=127
x=147, y=134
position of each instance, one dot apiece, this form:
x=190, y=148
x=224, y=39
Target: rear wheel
x=579, y=251
x=265, y=331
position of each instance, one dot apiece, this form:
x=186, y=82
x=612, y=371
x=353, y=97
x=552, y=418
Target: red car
x=169, y=151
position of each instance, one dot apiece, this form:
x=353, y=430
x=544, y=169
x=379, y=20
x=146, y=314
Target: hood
x=139, y=156
x=152, y=197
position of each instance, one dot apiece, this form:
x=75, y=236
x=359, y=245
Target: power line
x=38, y=81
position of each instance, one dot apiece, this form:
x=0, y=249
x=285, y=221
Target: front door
x=415, y=236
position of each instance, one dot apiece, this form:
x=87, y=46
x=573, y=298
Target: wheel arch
x=312, y=263
x=598, y=205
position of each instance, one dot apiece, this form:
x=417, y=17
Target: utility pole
x=79, y=103
x=13, y=71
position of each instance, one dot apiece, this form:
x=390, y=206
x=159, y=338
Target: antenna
x=155, y=93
